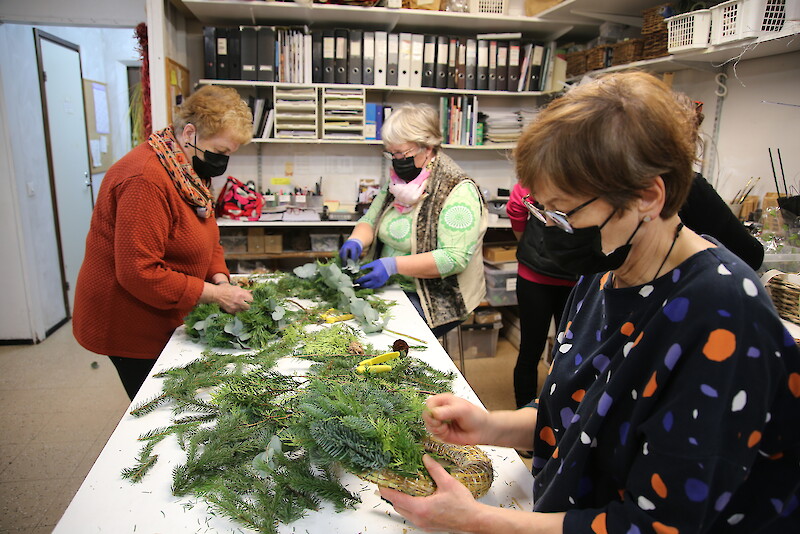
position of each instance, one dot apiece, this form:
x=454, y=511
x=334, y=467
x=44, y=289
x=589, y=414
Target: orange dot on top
x=627, y=328
x=548, y=436
x=599, y=524
x=651, y=386
x=578, y=395
x=794, y=384
x=754, y=439
x=658, y=485
x=720, y=345
x=661, y=528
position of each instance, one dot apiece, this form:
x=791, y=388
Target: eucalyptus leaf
x=306, y=271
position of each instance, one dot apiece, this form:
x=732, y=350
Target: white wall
x=748, y=126
x=103, y=56
x=75, y=12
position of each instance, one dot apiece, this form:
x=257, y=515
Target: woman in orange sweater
x=153, y=252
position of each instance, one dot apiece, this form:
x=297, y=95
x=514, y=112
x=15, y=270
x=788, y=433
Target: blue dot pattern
x=672, y=408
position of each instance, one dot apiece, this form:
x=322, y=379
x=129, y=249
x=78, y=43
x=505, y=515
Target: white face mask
x=407, y=195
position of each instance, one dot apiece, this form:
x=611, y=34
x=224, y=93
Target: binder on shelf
x=368, y=66
x=461, y=64
x=354, y=58
x=371, y=120
x=535, y=70
x=316, y=56
x=380, y=58
x=547, y=64
x=258, y=111
x=328, y=56
x=209, y=53
x=492, y=66
x=471, y=62
x=266, y=53
x=266, y=131
x=234, y=54
x=502, y=66
x=308, y=56
x=223, y=65
x=249, y=48
x=417, y=59
x=482, y=77
x=340, y=60
x=392, y=59
x=404, y=61
x=526, y=51
x=440, y=71
x=429, y=62
x=512, y=83
x=452, y=61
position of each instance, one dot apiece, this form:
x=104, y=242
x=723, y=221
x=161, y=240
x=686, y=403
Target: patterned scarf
x=185, y=180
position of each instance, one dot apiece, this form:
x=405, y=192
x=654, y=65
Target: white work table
x=106, y=502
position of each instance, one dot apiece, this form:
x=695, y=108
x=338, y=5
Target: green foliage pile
x=324, y=283
x=265, y=448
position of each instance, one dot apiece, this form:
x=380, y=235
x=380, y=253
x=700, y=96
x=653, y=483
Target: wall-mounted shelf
x=212, y=12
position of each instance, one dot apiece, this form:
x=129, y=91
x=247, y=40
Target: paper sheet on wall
x=104, y=144
x=94, y=149
x=101, y=121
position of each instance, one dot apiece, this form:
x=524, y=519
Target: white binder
x=380, y=58
x=417, y=56
x=404, y=61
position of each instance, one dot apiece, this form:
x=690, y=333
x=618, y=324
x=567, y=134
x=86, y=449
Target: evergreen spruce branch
x=145, y=461
x=149, y=405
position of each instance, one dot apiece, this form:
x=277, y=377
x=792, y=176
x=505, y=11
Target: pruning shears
x=377, y=364
x=330, y=316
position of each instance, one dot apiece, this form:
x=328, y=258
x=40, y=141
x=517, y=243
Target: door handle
x=86, y=180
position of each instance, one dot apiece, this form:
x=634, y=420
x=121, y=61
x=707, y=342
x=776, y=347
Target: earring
x=647, y=218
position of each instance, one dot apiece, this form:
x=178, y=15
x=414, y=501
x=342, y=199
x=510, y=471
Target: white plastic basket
x=489, y=7
x=689, y=31
x=744, y=19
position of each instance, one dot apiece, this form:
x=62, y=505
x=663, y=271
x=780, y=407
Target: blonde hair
x=610, y=138
x=412, y=123
x=214, y=110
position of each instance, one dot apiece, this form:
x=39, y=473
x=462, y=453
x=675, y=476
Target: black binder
x=223, y=65
x=328, y=56
x=452, y=60
x=234, y=53
x=340, y=59
x=209, y=53
x=502, y=65
x=482, y=82
x=461, y=63
x=266, y=54
x=316, y=56
x=392, y=58
x=368, y=64
x=440, y=72
x=514, y=61
x=354, y=57
x=492, y=66
x=249, y=46
x=429, y=61
x=471, y=70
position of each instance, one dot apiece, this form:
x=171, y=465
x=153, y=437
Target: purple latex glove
x=351, y=249
x=382, y=269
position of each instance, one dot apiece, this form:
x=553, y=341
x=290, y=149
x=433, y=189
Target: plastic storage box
x=491, y=7
x=743, y=19
x=324, y=242
x=480, y=340
x=689, y=31
x=503, y=275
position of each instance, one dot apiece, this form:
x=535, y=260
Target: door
x=67, y=152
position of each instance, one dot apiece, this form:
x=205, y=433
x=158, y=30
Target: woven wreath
x=471, y=466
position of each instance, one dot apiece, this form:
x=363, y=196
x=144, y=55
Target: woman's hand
x=450, y=508
x=455, y=420
x=231, y=298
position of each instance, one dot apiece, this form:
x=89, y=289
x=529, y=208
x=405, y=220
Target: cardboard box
x=498, y=253
x=273, y=243
x=255, y=239
x=534, y=7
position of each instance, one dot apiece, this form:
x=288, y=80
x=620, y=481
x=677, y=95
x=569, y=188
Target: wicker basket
x=653, y=19
x=626, y=51
x=786, y=297
x=655, y=45
x=598, y=57
x=576, y=63
x=473, y=468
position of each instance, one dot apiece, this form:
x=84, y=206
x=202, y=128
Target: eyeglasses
x=560, y=218
x=400, y=155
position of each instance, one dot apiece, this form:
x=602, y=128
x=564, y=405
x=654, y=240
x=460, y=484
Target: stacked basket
x=654, y=30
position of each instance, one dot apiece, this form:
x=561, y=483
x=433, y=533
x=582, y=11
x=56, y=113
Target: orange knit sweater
x=147, y=256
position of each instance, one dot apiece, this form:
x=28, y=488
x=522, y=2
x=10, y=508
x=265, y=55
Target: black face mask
x=213, y=165
x=406, y=169
x=581, y=252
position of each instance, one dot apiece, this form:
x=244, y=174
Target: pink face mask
x=406, y=195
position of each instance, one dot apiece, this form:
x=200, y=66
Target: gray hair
x=413, y=123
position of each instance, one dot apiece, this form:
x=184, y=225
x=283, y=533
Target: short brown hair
x=609, y=138
x=214, y=110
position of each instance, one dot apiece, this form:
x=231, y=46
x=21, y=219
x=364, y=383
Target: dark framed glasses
x=559, y=218
x=401, y=155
